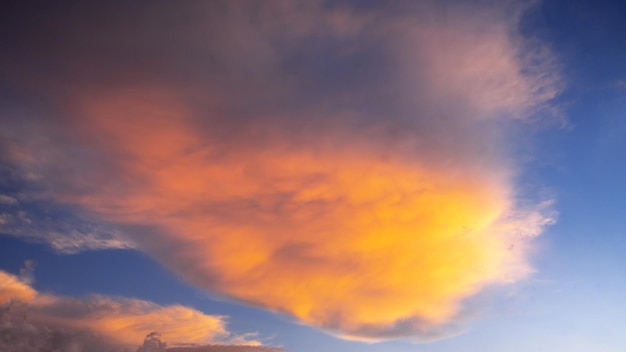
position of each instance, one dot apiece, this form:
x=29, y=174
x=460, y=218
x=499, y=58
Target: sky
x=282, y=175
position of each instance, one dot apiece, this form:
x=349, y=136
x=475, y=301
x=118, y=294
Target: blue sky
x=409, y=176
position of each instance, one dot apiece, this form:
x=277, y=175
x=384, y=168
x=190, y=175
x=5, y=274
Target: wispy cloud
x=66, y=234
x=344, y=165
x=65, y=229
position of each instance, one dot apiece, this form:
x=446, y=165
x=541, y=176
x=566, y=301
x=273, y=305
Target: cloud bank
x=32, y=320
x=346, y=165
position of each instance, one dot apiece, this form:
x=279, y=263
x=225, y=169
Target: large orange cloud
x=344, y=166
x=338, y=237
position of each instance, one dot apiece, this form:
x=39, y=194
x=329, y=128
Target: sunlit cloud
x=11, y=287
x=122, y=321
x=330, y=235
x=367, y=192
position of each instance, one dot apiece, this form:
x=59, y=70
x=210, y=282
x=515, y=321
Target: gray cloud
x=64, y=231
x=225, y=348
x=27, y=272
x=17, y=334
x=153, y=343
x=7, y=200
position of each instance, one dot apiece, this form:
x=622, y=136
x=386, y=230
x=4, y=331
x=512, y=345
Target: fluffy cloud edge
x=110, y=321
x=480, y=87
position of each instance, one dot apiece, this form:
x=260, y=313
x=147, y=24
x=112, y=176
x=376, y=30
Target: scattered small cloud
x=152, y=343
x=27, y=272
x=7, y=200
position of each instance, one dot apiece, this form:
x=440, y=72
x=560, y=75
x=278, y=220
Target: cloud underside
x=365, y=192
x=34, y=321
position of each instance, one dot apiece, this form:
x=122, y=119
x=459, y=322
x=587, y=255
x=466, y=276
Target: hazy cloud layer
x=34, y=320
x=153, y=343
x=343, y=164
x=224, y=348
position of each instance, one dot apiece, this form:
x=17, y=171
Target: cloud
x=224, y=348
x=27, y=272
x=344, y=165
x=23, y=337
x=66, y=230
x=153, y=343
x=4, y=199
x=12, y=288
x=65, y=235
x=34, y=319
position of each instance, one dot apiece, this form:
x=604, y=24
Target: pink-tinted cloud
x=121, y=321
x=343, y=165
x=328, y=236
x=12, y=287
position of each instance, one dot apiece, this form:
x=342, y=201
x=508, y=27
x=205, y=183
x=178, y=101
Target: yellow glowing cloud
x=338, y=237
x=12, y=288
x=128, y=321
x=123, y=320
x=342, y=164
